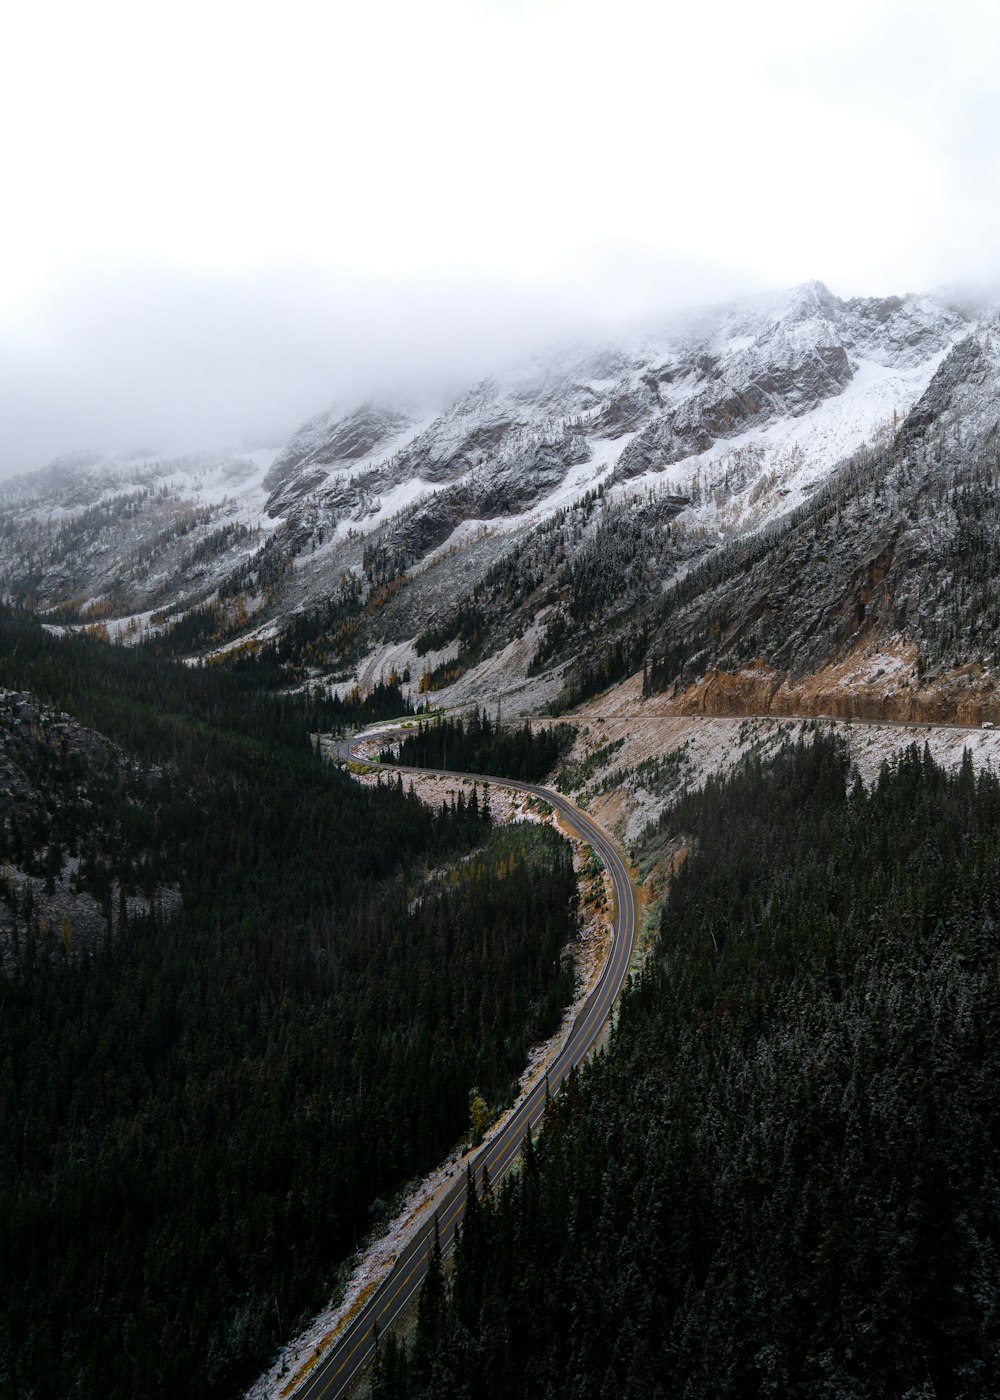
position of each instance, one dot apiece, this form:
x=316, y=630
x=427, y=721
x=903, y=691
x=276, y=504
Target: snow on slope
x=823, y=378
x=744, y=482
x=743, y=410
x=234, y=484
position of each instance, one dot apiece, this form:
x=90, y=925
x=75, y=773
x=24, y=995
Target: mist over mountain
x=702, y=542
x=114, y=357
x=395, y=395
x=382, y=527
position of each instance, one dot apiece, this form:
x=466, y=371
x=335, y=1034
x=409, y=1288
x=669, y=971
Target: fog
x=157, y=359
x=220, y=220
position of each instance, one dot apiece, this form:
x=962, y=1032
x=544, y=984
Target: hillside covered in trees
x=478, y=745
x=781, y=1177
x=201, y=1114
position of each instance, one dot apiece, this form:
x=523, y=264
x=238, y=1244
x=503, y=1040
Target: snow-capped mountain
x=379, y=530
x=761, y=374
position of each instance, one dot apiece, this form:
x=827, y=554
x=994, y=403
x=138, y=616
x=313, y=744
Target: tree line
x=482, y=745
x=201, y=1115
x=781, y=1177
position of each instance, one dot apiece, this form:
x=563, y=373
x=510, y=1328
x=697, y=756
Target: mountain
x=580, y=506
x=245, y=998
x=878, y=597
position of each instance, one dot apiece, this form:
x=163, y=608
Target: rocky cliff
x=675, y=497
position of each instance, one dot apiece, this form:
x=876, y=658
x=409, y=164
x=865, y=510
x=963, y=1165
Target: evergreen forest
x=781, y=1178
x=480, y=745
x=202, y=1113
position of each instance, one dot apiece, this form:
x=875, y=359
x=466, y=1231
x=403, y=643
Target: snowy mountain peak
x=728, y=419
x=810, y=299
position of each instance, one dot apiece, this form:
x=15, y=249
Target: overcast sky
x=220, y=217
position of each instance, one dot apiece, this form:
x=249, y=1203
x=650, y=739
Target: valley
x=722, y=592
x=500, y=701
x=621, y=744
x=791, y=1107
x=334, y=1370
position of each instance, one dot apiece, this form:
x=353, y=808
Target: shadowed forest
x=201, y=1114
x=781, y=1177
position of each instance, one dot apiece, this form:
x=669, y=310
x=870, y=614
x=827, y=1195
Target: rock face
x=961, y=399
x=964, y=696
x=707, y=431
x=878, y=596
x=755, y=370
x=326, y=445
x=65, y=792
x=738, y=397
x=526, y=478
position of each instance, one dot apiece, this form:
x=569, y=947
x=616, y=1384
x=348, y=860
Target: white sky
x=218, y=216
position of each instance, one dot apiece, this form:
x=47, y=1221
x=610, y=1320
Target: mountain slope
x=486, y=544
x=891, y=569
x=780, y=1178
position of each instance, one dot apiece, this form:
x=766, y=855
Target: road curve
x=333, y=1376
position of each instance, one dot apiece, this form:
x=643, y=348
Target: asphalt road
x=339, y=1369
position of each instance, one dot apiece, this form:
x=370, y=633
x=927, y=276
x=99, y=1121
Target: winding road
x=333, y=1376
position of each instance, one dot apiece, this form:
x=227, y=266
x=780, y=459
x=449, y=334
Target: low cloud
x=158, y=359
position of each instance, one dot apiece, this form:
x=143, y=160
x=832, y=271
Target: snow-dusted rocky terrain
x=781, y=509
x=376, y=522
